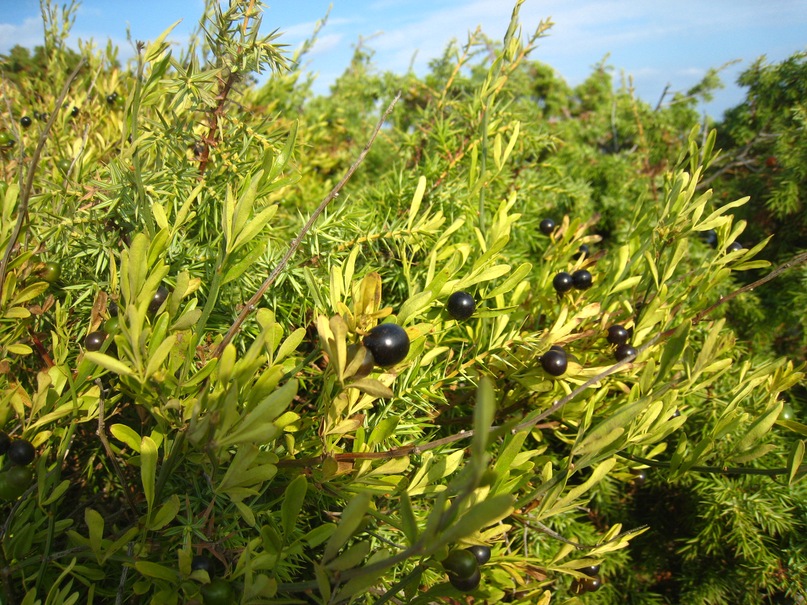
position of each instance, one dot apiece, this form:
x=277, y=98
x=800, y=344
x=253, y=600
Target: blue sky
x=657, y=42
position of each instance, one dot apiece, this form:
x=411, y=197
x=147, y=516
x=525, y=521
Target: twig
x=538, y=526
x=110, y=454
x=252, y=303
x=717, y=470
x=797, y=260
x=25, y=193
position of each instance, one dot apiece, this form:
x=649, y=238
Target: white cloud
x=28, y=34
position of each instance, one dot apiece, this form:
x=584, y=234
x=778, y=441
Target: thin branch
x=538, y=526
x=101, y=432
x=252, y=303
x=717, y=470
x=25, y=193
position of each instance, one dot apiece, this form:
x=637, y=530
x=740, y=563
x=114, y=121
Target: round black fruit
x=110, y=98
x=582, y=251
x=51, y=272
x=618, y=335
x=581, y=279
x=554, y=362
x=204, y=563
x=158, y=299
x=734, y=247
x=112, y=308
x=94, y=340
x=74, y=112
x=639, y=476
x=5, y=441
x=461, y=305
x=590, y=584
x=20, y=452
x=461, y=564
x=547, y=226
x=591, y=570
x=623, y=351
x=468, y=584
x=562, y=282
x=25, y=121
x=389, y=344
x=481, y=552
x=218, y=592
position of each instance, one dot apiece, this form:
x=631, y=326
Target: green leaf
x=352, y=516
x=760, y=427
x=673, y=350
x=127, y=435
x=95, y=525
x=154, y=570
x=148, y=468
x=478, y=516
x=408, y=521
x=512, y=280
x=293, y=499
x=165, y=514
x=794, y=461
x=484, y=412
x=108, y=362
x=416, y=200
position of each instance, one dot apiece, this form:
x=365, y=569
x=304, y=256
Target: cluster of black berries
x=590, y=583
x=620, y=337
x=463, y=565
x=17, y=477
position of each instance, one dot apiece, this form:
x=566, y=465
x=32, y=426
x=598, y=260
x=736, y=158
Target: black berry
x=591, y=570
x=590, y=584
x=468, y=584
x=547, y=226
x=94, y=340
x=204, y=563
x=554, y=362
x=110, y=98
x=582, y=251
x=461, y=305
x=74, y=112
x=5, y=441
x=20, y=452
x=562, y=282
x=112, y=308
x=581, y=279
x=25, y=121
x=618, y=335
x=158, y=299
x=389, y=344
x=623, y=351
x=481, y=552
x=461, y=563
x=639, y=476
x=734, y=246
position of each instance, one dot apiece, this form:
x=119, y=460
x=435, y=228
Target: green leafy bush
x=192, y=266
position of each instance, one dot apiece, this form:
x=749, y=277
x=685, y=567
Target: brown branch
x=25, y=193
x=213, y=122
x=252, y=303
x=797, y=260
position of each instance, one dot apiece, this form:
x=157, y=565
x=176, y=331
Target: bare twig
x=252, y=303
x=538, y=526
